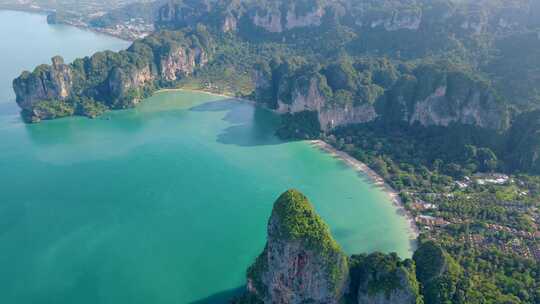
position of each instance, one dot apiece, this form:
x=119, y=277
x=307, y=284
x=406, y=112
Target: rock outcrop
x=306, y=96
x=108, y=80
x=301, y=262
x=124, y=84
x=178, y=14
x=272, y=16
x=329, y=115
x=441, y=98
x=181, y=62
x=384, y=279
x=47, y=82
x=282, y=16
x=427, y=95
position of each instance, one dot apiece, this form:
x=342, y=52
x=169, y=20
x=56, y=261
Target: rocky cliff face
x=428, y=96
x=378, y=278
x=181, y=62
x=47, y=82
x=443, y=98
x=330, y=115
x=403, y=295
x=122, y=83
x=402, y=19
x=272, y=16
x=301, y=262
x=478, y=108
x=287, y=16
x=107, y=80
x=176, y=14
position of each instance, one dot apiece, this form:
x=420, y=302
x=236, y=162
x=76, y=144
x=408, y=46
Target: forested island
x=440, y=98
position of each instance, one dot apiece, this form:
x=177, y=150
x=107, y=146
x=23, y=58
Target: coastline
x=377, y=180
x=205, y=92
x=45, y=12
x=350, y=161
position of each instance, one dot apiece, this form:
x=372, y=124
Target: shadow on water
x=221, y=297
x=252, y=125
x=77, y=129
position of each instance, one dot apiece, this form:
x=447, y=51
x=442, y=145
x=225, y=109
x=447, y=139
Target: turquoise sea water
x=166, y=203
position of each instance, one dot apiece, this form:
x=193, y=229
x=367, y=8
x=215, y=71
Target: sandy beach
x=205, y=92
x=349, y=160
x=375, y=179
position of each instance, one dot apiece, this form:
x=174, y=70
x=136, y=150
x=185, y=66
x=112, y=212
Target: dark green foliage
x=247, y=298
x=382, y=273
x=294, y=220
x=524, y=143
x=50, y=109
x=516, y=70
x=421, y=146
x=90, y=108
x=304, y=125
x=298, y=221
x=358, y=55
x=112, y=80
x=438, y=274
x=341, y=75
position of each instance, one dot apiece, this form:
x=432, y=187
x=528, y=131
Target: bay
x=165, y=203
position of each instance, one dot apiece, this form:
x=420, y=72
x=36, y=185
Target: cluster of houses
x=513, y=231
x=133, y=29
x=429, y=221
x=522, y=243
x=484, y=179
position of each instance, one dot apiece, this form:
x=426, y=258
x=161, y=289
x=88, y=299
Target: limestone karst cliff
x=383, y=279
x=321, y=64
x=47, y=83
x=109, y=80
x=342, y=94
x=301, y=261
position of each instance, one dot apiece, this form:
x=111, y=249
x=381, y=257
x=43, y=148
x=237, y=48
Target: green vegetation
x=51, y=108
x=294, y=220
x=439, y=275
x=255, y=271
x=479, y=234
x=303, y=125
x=379, y=273
x=486, y=227
x=297, y=220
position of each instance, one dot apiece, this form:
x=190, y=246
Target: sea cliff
x=109, y=80
x=302, y=263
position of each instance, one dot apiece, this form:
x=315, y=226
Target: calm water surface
x=166, y=203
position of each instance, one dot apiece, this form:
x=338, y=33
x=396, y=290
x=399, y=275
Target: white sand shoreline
x=375, y=178
x=349, y=161
x=205, y=92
